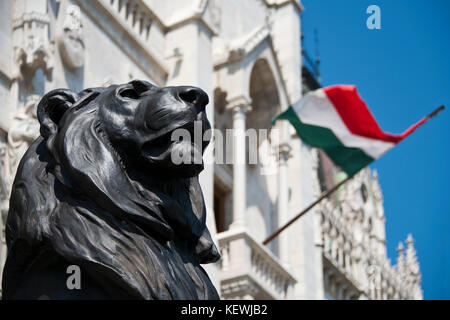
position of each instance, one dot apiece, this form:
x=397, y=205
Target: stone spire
x=400, y=259
x=411, y=255
x=412, y=262
x=413, y=269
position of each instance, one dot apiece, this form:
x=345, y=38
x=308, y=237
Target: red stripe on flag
x=357, y=116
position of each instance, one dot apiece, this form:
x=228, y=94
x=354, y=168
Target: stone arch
x=264, y=95
x=264, y=56
x=265, y=104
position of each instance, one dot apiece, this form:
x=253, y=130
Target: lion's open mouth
x=185, y=138
x=157, y=147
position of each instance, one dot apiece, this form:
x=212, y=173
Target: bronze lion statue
x=99, y=190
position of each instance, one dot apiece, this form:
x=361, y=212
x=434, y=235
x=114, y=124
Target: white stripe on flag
x=316, y=109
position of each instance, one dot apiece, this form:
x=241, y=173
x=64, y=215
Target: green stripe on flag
x=351, y=160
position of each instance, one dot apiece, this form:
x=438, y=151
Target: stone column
x=283, y=201
x=239, y=108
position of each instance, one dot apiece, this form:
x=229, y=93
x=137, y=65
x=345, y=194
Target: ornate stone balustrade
x=250, y=271
x=133, y=16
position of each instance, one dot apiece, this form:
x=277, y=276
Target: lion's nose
x=195, y=96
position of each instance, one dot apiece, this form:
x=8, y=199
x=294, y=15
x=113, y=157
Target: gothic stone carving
x=70, y=42
x=33, y=48
x=24, y=129
x=99, y=190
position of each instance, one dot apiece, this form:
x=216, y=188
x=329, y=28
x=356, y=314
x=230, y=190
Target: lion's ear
x=52, y=108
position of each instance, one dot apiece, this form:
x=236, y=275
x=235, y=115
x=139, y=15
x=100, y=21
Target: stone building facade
x=247, y=55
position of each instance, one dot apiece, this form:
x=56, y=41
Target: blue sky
x=402, y=71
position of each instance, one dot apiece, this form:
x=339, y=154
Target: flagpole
x=435, y=112
x=329, y=192
x=322, y=196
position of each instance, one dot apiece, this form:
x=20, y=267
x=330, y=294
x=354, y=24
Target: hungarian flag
x=336, y=120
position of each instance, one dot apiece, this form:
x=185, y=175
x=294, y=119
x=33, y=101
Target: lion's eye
x=129, y=93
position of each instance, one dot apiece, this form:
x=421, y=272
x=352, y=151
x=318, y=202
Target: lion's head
x=103, y=173
x=138, y=119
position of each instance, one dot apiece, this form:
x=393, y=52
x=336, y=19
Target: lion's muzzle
x=179, y=121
